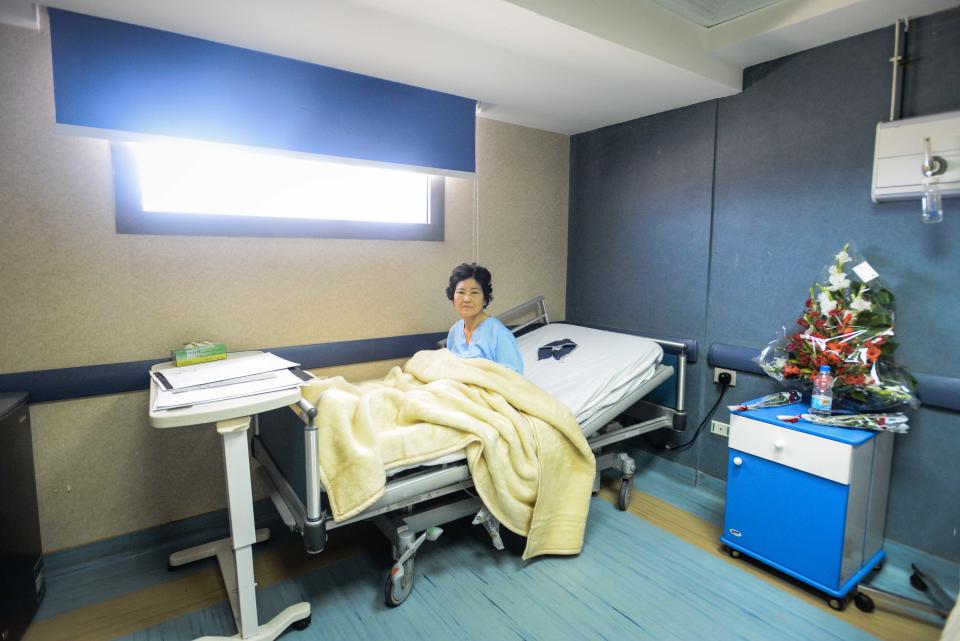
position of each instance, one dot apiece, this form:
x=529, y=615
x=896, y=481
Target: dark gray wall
x=639, y=248
x=712, y=221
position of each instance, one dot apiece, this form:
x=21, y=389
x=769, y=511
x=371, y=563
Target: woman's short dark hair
x=479, y=273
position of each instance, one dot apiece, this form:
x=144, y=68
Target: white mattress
x=605, y=368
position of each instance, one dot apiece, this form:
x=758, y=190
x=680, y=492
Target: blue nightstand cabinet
x=806, y=499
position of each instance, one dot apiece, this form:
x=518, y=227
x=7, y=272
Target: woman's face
x=468, y=298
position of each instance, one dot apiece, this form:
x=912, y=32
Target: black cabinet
x=21, y=563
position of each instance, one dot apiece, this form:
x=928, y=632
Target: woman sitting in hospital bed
x=477, y=335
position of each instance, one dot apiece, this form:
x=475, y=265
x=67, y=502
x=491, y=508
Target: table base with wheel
x=234, y=554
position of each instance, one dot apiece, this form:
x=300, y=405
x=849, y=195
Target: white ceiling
x=562, y=65
x=709, y=13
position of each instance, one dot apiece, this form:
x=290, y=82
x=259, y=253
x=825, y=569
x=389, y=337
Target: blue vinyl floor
x=632, y=581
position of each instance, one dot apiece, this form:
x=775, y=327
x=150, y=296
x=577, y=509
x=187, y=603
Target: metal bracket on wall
x=899, y=62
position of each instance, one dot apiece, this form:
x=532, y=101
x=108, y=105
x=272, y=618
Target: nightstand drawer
x=819, y=456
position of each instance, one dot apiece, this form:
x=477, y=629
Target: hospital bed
x=604, y=379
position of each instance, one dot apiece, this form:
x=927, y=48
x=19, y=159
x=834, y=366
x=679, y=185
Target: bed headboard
x=535, y=306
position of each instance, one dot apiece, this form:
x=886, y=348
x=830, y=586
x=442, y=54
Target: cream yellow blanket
x=530, y=462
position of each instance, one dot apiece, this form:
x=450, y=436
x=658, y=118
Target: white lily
x=826, y=303
x=861, y=305
x=843, y=257
x=838, y=279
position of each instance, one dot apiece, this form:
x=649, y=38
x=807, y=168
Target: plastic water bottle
x=822, y=402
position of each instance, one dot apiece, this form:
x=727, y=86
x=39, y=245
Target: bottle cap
x=825, y=368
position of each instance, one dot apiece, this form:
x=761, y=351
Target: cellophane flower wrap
x=848, y=324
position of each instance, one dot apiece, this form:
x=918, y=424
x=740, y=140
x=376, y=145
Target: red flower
x=791, y=370
x=873, y=353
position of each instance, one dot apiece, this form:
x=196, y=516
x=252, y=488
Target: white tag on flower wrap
x=865, y=272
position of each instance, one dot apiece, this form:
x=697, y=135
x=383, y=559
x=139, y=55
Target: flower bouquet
x=848, y=325
x=897, y=423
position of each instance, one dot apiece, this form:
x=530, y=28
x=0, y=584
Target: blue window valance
x=117, y=77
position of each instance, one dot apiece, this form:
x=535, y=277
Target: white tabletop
x=219, y=410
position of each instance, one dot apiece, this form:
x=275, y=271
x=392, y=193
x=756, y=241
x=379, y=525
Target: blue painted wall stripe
x=117, y=76
x=114, y=378
x=932, y=390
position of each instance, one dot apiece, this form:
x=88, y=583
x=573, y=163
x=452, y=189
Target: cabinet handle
x=779, y=444
x=737, y=461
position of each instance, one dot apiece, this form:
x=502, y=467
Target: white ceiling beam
x=645, y=27
x=796, y=25
x=20, y=13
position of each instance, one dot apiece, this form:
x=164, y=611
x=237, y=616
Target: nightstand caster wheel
x=623, y=497
x=837, y=604
x=863, y=602
x=734, y=553
x=302, y=624
x=918, y=582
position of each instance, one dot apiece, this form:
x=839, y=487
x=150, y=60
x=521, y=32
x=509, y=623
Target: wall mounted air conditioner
x=901, y=151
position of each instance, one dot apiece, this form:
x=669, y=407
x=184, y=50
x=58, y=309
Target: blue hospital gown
x=491, y=340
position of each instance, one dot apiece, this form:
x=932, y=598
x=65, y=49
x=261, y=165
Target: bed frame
x=418, y=500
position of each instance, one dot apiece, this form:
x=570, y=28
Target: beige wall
x=73, y=292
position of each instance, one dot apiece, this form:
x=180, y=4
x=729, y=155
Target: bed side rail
x=680, y=417
x=314, y=530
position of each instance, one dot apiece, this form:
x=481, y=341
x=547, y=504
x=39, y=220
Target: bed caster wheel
x=623, y=497
x=863, y=602
x=837, y=604
x=917, y=582
x=734, y=553
x=396, y=591
x=171, y=567
x=302, y=624
x=877, y=567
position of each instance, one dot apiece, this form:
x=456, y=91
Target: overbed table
x=234, y=554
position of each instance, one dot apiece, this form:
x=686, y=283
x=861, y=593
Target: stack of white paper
x=233, y=377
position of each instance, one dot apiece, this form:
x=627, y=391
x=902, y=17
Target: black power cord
x=724, y=379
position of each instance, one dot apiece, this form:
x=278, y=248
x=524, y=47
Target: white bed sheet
x=605, y=368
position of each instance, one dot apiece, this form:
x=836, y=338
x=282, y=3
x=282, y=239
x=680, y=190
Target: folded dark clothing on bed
x=556, y=349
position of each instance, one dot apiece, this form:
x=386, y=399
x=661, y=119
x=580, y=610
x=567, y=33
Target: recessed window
x=194, y=188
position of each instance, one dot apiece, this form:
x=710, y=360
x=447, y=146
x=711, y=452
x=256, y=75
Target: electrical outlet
x=717, y=371
x=719, y=428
